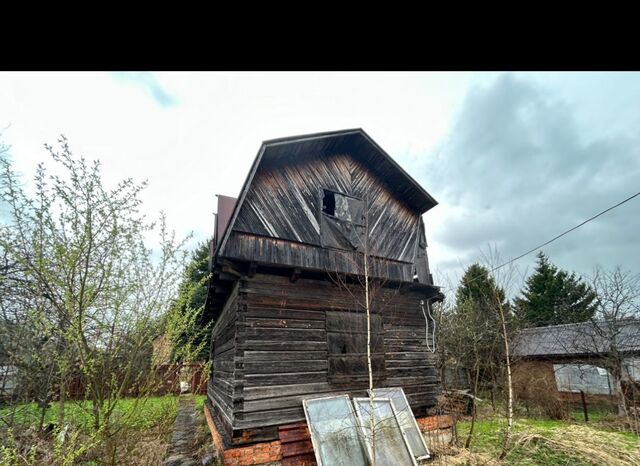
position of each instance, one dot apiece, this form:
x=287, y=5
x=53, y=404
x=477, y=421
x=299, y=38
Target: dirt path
x=181, y=452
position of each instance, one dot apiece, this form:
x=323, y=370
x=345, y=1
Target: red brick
x=434, y=422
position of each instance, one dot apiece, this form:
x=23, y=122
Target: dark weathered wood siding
x=221, y=386
x=280, y=353
x=284, y=203
x=272, y=251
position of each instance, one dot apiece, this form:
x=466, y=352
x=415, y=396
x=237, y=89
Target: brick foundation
x=259, y=453
x=429, y=423
x=294, y=443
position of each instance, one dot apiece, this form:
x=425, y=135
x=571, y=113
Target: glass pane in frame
x=334, y=431
x=405, y=417
x=386, y=442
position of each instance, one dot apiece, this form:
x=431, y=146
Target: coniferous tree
x=477, y=286
x=191, y=340
x=552, y=296
x=480, y=306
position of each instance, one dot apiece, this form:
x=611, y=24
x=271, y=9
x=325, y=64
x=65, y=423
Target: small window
x=342, y=221
x=582, y=377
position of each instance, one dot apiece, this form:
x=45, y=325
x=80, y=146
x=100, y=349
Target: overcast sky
x=513, y=159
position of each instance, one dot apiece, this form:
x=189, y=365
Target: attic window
x=343, y=207
x=342, y=220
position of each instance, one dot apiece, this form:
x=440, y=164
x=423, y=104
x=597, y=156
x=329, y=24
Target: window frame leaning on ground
x=372, y=447
x=314, y=434
x=408, y=419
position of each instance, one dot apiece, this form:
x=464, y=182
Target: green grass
x=594, y=414
x=136, y=412
x=200, y=399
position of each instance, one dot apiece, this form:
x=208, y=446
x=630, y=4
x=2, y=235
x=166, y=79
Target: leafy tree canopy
x=552, y=296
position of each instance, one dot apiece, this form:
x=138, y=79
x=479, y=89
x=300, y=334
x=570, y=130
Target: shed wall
x=281, y=349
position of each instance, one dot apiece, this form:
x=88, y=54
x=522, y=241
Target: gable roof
x=353, y=141
x=586, y=338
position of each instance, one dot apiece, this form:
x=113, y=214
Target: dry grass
x=460, y=456
x=586, y=444
x=145, y=448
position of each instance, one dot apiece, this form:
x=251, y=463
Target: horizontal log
x=294, y=435
x=297, y=448
x=281, y=334
x=405, y=381
x=284, y=355
x=268, y=418
x=255, y=310
x=284, y=379
x=283, y=323
x=284, y=401
x=261, y=392
x=394, y=363
x=275, y=366
x=261, y=345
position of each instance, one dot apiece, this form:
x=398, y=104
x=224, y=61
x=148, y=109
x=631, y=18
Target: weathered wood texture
x=220, y=389
x=281, y=349
x=271, y=251
x=284, y=203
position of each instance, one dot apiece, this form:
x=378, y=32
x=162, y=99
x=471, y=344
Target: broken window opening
x=329, y=203
x=341, y=221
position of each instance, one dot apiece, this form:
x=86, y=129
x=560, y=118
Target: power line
x=566, y=232
x=562, y=234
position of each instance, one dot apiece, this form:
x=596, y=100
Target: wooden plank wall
x=281, y=347
x=221, y=386
x=284, y=202
x=273, y=251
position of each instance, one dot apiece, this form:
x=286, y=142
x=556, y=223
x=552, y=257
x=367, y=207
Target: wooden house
x=287, y=287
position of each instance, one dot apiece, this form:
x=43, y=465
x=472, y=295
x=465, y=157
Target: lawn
x=553, y=442
x=140, y=413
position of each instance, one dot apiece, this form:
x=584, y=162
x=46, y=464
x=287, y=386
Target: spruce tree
x=552, y=296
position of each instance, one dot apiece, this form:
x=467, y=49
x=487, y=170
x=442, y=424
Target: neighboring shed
x=573, y=357
x=286, y=289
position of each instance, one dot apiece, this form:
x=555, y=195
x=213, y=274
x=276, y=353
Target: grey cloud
x=520, y=171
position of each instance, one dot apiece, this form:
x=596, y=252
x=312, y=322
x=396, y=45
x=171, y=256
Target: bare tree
x=616, y=329
x=504, y=276
x=372, y=294
x=477, y=334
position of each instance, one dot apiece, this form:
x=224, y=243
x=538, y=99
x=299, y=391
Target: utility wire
x=562, y=234
x=566, y=232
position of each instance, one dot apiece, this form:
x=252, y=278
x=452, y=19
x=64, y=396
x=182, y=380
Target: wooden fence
x=167, y=381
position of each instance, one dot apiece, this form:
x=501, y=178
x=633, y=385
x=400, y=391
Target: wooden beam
x=231, y=268
x=252, y=269
x=295, y=274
